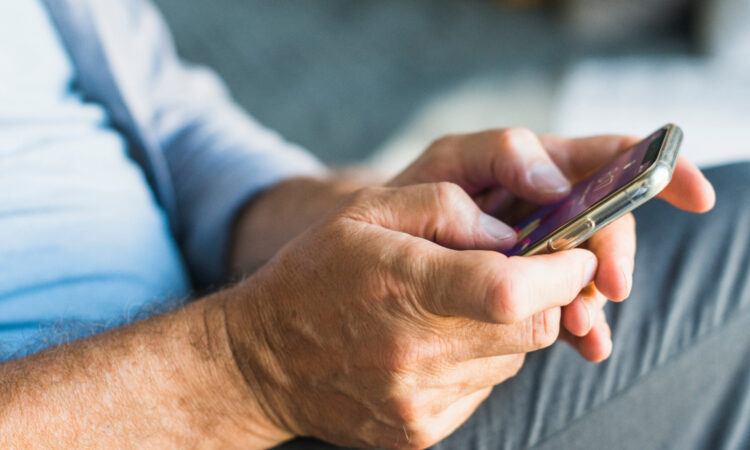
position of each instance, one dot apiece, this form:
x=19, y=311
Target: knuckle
x=513, y=139
x=407, y=411
x=366, y=195
x=545, y=328
x=412, y=276
x=436, y=159
x=441, y=144
x=448, y=194
x=406, y=354
x=507, y=298
x=414, y=258
x=368, y=204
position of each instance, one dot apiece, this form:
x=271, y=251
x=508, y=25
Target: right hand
x=377, y=327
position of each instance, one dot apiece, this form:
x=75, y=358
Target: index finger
x=580, y=157
x=614, y=247
x=490, y=287
x=689, y=189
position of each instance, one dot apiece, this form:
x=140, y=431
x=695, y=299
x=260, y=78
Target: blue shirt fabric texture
x=121, y=169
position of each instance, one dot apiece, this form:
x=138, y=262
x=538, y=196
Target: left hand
x=509, y=171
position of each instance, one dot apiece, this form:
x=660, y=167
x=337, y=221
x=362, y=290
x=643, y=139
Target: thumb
x=440, y=212
x=515, y=159
x=512, y=158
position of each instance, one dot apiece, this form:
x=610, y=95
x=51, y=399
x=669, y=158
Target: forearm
x=167, y=381
x=281, y=213
x=171, y=380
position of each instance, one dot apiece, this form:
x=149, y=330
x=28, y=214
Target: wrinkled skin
x=388, y=322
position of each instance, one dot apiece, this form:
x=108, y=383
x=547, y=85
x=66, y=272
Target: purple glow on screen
x=621, y=170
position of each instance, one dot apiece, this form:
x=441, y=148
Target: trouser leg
x=678, y=375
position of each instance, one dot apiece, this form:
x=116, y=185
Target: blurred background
x=376, y=81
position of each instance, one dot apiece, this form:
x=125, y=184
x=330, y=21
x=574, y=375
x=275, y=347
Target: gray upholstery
x=338, y=76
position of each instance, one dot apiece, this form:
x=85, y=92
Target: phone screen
x=619, y=172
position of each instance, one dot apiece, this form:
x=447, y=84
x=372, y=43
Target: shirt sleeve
x=219, y=158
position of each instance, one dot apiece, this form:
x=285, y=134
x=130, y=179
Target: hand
x=509, y=171
x=378, y=328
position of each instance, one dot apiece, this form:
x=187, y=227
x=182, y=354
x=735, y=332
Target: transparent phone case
x=637, y=192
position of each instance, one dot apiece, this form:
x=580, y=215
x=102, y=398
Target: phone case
x=635, y=193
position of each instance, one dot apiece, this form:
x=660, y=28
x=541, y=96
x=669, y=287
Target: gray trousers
x=679, y=375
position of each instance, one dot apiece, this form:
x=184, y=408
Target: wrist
x=227, y=384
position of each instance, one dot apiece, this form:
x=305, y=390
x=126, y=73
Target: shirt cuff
x=234, y=182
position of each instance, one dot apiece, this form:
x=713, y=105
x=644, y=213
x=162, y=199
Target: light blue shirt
x=121, y=169
x=203, y=156
x=83, y=243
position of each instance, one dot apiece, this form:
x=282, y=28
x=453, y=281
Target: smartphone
x=635, y=176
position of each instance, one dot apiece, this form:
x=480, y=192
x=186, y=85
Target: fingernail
x=591, y=313
x=548, y=179
x=588, y=271
x=496, y=228
x=627, y=275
